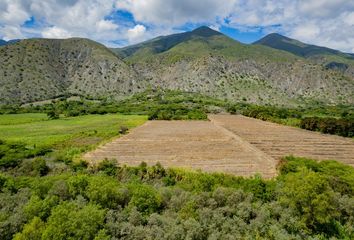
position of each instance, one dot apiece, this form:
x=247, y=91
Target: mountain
x=330, y=58
x=203, y=61
x=40, y=69
x=3, y=42
x=214, y=64
x=277, y=41
x=164, y=43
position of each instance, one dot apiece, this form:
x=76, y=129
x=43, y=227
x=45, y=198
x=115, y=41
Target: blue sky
x=117, y=23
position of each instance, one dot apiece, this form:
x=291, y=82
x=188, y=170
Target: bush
x=40, y=166
x=52, y=114
x=341, y=127
x=145, y=198
x=109, y=167
x=70, y=221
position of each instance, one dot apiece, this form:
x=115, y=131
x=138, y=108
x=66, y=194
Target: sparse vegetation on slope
x=215, y=65
x=40, y=69
x=329, y=58
x=202, y=61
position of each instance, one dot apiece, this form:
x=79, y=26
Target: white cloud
x=136, y=33
x=306, y=32
x=105, y=25
x=172, y=12
x=55, y=32
x=323, y=22
x=12, y=15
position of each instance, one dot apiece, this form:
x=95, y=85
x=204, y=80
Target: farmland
x=278, y=141
x=189, y=144
x=46, y=188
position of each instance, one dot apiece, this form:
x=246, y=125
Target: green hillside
x=332, y=59
x=211, y=63
x=201, y=61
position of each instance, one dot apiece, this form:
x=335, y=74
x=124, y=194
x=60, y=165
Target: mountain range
x=275, y=70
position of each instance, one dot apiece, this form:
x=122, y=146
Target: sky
x=118, y=23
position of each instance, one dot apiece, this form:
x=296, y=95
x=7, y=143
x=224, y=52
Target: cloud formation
x=322, y=22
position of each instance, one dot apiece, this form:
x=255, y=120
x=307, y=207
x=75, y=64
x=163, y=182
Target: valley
x=193, y=135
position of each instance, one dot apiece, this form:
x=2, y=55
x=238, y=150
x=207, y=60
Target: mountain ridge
x=278, y=41
x=203, y=61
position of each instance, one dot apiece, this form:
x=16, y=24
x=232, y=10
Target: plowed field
x=232, y=144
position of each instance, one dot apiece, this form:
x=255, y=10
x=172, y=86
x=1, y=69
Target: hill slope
x=214, y=64
x=330, y=58
x=39, y=69
x=203, y=61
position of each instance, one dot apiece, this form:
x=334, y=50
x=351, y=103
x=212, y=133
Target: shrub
x=52, y=114
x=109, y=167
x=145, y=198
x=69, y=221
x=341, y=127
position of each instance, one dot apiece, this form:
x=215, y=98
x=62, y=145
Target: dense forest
x=308, y=200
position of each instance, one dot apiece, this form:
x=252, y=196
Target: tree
x=32, y=230
x=68, y=221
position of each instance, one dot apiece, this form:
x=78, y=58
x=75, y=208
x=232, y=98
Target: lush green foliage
x=338, y=120
x=44, y=198
x=342, y=127
x=157, y=104
x=11, y=154
x=308, y=200
x=161, y=104
x=31, y=135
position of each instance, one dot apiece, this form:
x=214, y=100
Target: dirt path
x=278, y=140
x=227, y=143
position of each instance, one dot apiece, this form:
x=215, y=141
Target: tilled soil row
x=278, y=140
x=227, y=143
x=189, y=144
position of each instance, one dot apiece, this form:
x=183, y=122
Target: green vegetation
x=308, y=200
x=341, y=127
x=30, y=135
x=46, y=195
x=301, y=49
x=159, y=104
x=338, y=120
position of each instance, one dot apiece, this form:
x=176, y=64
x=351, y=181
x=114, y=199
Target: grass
x=15, y=119
x=35, y=129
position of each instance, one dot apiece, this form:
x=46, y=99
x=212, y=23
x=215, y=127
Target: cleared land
x=278, y=141
x=228, y=143
x=193, y=144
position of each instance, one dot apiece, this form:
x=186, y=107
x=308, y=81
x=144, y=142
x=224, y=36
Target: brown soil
x=227, y=143
x=278, y=140
x=191, y=144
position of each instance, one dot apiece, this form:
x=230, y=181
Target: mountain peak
x=280, y=42
x=272, y=37
x=205, y=31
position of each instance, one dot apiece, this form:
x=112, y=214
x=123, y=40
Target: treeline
x=340, y=122
x=268, y=113
x=342, y=127
x=308, y=200
x=157, y=104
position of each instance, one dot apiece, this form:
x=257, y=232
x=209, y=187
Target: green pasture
x=36, y=129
